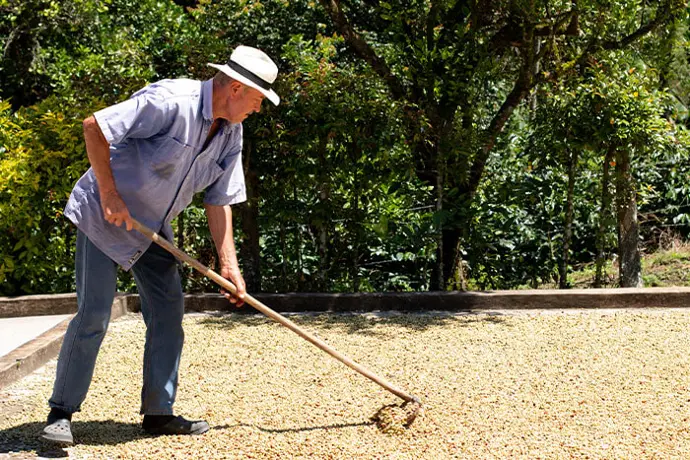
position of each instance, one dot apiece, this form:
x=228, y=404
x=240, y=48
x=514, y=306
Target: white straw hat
x=253, y=68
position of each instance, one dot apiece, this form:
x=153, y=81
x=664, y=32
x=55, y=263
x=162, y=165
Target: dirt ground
x=582, y=384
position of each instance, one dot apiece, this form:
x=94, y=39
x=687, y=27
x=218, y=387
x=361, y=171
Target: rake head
x=395, y=418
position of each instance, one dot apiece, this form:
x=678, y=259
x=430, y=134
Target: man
x=148, y=156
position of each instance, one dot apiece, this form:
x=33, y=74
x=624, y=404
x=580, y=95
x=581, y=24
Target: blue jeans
x=162, y=307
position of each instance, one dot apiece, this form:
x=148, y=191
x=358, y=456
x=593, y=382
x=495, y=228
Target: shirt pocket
x=205, y=173
x=171, y=158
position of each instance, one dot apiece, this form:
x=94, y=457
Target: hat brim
x=270, y=94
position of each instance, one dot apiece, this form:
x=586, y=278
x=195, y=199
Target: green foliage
x=29, y=30
x=516, y=236
x=337, y=182
x=41, y=156
x=95, y=48
x=346, y=164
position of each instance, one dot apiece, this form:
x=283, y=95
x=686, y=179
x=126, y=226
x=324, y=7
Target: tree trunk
x=628, y=229
x=568, y=233
x=428, y=166
x=438, y=140
x=298, y=246
x=536, y=66
x=454, y=270
x=250, y=249
x=458, y=278
x=603, y=219
x=440, y=278
x=467, y=190
x=323, y=215
x=357, y=218
x=284, y=279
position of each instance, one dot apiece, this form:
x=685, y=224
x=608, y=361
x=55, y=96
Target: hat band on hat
x=254, y=78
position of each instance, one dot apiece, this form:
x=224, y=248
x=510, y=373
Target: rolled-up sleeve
x=141, y=116
x=229, y=188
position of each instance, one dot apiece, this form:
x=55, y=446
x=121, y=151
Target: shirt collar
x=207, y=99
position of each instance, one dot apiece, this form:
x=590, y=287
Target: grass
x=667, y=267
x=523, y=385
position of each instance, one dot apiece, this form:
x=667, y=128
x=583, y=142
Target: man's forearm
x=220, y=224
x=98, y=151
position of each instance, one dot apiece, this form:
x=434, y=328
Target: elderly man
x=149, y=155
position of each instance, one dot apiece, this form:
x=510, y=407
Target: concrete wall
x=24, y=360
x=404, y=301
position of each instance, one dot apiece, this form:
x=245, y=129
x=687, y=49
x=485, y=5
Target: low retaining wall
x=27, y=358
x=11, y=307
x=492, y=300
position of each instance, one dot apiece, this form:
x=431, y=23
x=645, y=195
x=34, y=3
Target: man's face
x=241, y=101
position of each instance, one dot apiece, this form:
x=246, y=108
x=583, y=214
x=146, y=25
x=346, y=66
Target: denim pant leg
x=162, y=306
x=96, y=278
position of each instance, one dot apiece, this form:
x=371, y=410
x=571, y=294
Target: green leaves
x=346, y=191
x=43, y=155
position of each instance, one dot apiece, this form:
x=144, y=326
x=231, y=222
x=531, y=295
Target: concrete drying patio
x=596, y=383
x=39, y=343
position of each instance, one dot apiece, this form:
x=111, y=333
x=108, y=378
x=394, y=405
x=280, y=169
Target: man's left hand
x=232, y=273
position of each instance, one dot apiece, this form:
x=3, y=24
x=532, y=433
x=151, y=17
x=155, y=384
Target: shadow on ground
x=294, y=430
x=364, y=324
x=25, y=437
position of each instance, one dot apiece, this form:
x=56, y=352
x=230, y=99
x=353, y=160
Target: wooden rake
x=412, y=403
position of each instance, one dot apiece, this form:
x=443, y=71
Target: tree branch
x=527, y=81
x=431, y=22
x=362, y=48
x=567, y=24
x=661, y=17
x=513, y=33
x=664, y=13
x=508, y=35
x=519, y=92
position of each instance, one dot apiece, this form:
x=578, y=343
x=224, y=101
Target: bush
x=42, y=154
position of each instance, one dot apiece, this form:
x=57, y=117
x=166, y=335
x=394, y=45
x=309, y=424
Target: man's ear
x=235, y=88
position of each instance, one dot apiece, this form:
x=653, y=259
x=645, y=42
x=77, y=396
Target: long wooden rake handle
x=204, y=270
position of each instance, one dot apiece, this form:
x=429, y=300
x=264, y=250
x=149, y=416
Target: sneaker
x=59, y=428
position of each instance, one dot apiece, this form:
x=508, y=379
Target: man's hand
x=114, y=210
x=232, y=273
x=220, y=225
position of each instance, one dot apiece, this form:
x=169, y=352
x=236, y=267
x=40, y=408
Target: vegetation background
x=419, y=145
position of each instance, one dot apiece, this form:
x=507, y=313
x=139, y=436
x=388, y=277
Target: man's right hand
x=115, y=210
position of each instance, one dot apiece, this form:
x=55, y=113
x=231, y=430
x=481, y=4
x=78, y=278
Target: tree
x=461, y=69
x=614, y=111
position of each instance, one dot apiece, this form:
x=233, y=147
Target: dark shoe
x=59, y=431
x=178, y=425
